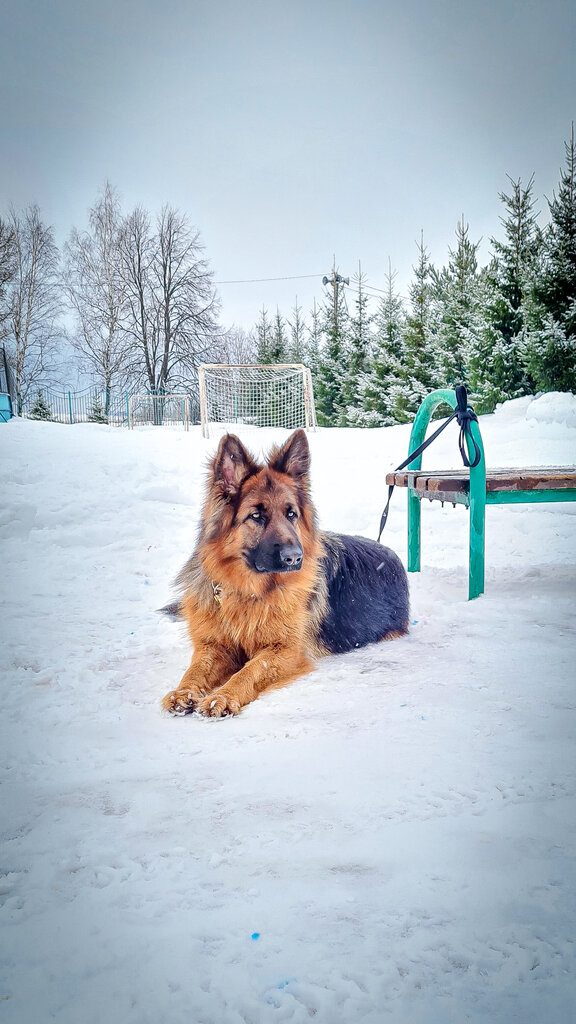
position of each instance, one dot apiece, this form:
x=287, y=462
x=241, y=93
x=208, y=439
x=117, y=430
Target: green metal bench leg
x=477, y=522
x=413, y=533
x=476, y=566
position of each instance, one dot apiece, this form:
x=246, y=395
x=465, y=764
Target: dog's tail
x=174, y=611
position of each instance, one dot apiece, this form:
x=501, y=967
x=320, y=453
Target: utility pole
x=335, y=280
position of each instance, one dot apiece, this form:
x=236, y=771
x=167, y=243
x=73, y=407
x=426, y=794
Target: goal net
x=159, y=410
x=258, y=396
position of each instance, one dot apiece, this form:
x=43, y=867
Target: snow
x=387, y=839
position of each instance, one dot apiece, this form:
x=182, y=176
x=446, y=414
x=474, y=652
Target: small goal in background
x=158, y=411
x=274, y=395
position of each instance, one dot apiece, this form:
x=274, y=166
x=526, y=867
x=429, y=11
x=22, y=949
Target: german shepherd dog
x=265, y=592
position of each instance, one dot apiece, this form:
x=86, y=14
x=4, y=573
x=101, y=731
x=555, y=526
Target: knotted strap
x=464, y=414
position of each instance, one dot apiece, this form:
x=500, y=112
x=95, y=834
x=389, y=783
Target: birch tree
x=7, y=271
x=32, y=300
x=238, y=346
x=172, y=305
x=96, y=292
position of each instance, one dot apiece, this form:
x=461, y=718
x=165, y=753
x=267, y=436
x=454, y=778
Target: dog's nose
x=290, y=555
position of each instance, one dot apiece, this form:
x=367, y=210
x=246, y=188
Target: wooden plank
x=532, y=478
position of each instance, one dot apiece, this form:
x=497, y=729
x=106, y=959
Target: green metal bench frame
x=476, y=498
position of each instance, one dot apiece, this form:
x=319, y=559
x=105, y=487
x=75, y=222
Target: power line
x=304, y=277
x=373, y=288
x=261, y=280
x=381, y=291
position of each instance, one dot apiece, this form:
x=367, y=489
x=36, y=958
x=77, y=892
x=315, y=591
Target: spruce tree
x=515, y=259
x=40, y=410
x=279, y=342
x=459, y=294
x=297, y=344
x=264, y=335
x=332, y=360
x=359, y=357
x=97, y=412
x=419, y=374
x=314, y=339
x=381, y=388
x=551, y=344
x=497, y=369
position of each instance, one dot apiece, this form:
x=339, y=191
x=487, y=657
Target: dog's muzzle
x=276, y=558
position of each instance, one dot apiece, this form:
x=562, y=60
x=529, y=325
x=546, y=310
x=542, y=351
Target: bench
x=475, y=488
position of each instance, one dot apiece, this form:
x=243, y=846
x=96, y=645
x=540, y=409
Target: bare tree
x=237, y=347
x=172, y=304
x=96, y=292
x=32, y=299
x=7, y=271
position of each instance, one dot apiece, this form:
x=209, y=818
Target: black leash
x=464, y=414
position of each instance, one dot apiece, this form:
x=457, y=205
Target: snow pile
x=553, y=407
x=389, y=838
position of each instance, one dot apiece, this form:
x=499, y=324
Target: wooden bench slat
x=531, y=478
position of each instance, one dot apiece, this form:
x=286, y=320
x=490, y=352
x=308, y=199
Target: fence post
x=70, y=406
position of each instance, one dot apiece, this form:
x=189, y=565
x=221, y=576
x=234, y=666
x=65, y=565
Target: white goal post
x=158, y=410
x=267, y=395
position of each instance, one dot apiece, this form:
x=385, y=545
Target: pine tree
x=551, y=344
x=40, y=410
x=384, y=379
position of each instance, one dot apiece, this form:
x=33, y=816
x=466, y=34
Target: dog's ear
x=232, y=465
x=293, y=457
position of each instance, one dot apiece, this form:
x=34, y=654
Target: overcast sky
x=288, y=131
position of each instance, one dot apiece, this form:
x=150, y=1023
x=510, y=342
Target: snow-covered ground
x=388, y=839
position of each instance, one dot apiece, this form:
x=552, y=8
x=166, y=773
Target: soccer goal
x=278, y=395
x=158, y=411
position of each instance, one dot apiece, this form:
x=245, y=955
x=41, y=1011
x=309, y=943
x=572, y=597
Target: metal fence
x=93, y=406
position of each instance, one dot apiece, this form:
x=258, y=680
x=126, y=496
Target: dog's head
x=262, y=513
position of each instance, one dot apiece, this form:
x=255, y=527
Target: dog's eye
x=257, y=517
x=291, y=514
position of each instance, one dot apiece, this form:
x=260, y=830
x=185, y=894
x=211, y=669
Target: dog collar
x=219, y=596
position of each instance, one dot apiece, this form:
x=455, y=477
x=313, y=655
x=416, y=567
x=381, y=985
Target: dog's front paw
x=218, y=705
x=181, y=702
